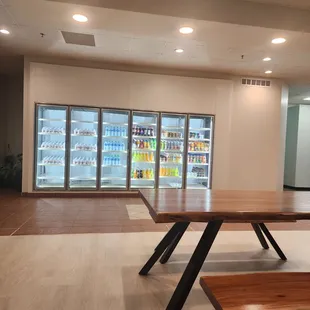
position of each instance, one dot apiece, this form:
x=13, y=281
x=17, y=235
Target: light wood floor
x=100, y=271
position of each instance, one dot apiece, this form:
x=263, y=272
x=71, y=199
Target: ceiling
x=132, y=32
x=301, y=4
x=297, y=93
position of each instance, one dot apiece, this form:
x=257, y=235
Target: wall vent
x=255, y=82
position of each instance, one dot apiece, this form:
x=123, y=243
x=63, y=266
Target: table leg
x=162, y=246
x=260, y=236
x=272, y=241
x=174, y=243
x=190, y=274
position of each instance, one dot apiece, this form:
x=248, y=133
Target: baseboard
x=297, y=188
x=116, y=194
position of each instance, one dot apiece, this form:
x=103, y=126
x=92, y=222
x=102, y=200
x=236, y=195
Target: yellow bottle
x=152, y=157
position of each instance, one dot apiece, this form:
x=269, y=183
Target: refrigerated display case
x=50, y=169
x=171, y=150
x=144, y=150
x=103, y=149
x=200, y=133
x=83, y=148
x=115, y=132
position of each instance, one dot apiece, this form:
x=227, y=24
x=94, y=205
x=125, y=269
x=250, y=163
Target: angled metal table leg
x=162, y=246
x=272, y=241
x=260, y=236
x=190, y=274
x=174, y=243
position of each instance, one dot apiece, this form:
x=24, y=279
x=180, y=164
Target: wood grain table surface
x=185, y=205
x=260, y=291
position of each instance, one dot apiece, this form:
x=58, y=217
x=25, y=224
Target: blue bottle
x=108, y=160
x=123, y=131
x=117, y=133
x=105, y=145
x=107, y=130
x=112, y=131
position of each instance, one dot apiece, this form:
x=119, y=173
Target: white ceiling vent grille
x=78, y=38
x=255, y=82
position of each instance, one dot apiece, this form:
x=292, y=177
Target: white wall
x=291, y=146
x=303, y=148
x=247, y=124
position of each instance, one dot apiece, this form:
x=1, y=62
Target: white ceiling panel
x=152, y=39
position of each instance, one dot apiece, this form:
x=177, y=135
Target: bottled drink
x=123, y=131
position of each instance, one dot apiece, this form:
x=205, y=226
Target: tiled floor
x=33, y=216
x=100, y=271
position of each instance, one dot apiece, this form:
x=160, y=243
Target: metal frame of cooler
x=183, y=176
x=102, y=110
x=129, y=147
x=36, y=147
x=158, y=123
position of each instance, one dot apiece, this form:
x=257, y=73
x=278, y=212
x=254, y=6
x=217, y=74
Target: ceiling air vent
x=78, y=38
x=255, y=82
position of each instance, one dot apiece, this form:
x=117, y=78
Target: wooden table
x=215, y=207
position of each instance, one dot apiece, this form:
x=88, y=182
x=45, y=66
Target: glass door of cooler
x=144, y=147
x=50, y=147
x=83, y=148
x=171, y=151
x=200, y=133
x=114, y=149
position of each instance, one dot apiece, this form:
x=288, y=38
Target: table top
x=263, y=291
x=186, y=205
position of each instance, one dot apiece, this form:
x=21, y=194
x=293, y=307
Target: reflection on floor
x=100, y=271
x=35, y=216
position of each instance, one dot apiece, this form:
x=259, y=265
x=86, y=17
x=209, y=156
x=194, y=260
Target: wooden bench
x=259, y=291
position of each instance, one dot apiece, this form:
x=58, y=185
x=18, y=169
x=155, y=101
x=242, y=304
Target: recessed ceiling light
x=179, y=50
x=268, y=71
x=278, y=40
x=4, y=31
x=80, y=18
x=307, y=99
x=267, y=59
x=186, y=30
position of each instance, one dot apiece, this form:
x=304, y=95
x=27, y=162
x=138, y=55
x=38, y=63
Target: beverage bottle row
x=115, y=131
x=142, y=174
x=171, y=145
x=84, y=132
x=85, y=147
x=54, y=130
x=142, y=157
x=114, y=146
x=84, y=161
x=199, y=159
x=53, y=145
x=198, y=172
x=144, y=144
x=172, y=134
x=142, y=131
x=196, y=135
x=171, y=158
x=169, y=172
x=198, y=146
x=113, y=160
x=53, y=160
